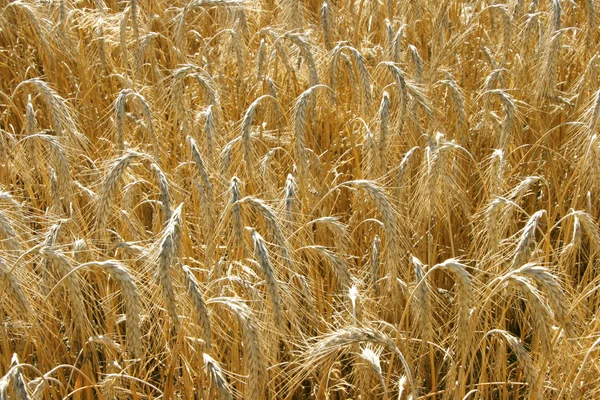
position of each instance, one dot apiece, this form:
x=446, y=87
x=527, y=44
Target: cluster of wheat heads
x=344, y=199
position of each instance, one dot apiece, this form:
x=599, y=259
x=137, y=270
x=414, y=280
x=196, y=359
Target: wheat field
x=299, y=199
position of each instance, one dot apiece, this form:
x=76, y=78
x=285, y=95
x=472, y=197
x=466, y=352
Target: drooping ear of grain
x=526, y=240
x=403, y=172
x=523, y=358
x=13, y=287
x=493, y=223
x=61, y=114
x=384, y=116
x=18, y=384
x=271, y=223
x=8, y=234
x=325, y=348
x=373, y=363
x=163, y=185
x=569, y=252
x=290, y=201
x=109, y=188
x=131, y=299
x=553, y=290
x=421, y=308
x=369, y=157
x=193, y=291
x=326, y=22
x=246, y=136
x=254, y=358
x=260, y=59
x=590, y=227
x=417, y=62
x=355, y=305
x=262, y=256
x=393, y=238
x=217, y=377
x=458, y=103
x=168, y=250
x=65, y=271
x=496, y=175
x=300, y=135
x=211, y=129
x=540, y=314
x=237, y=238
x=464, y=295
x=375, y=265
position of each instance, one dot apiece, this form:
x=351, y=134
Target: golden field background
x=276, y=199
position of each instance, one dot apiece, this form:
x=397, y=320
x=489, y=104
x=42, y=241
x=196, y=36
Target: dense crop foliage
x=349, y=199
